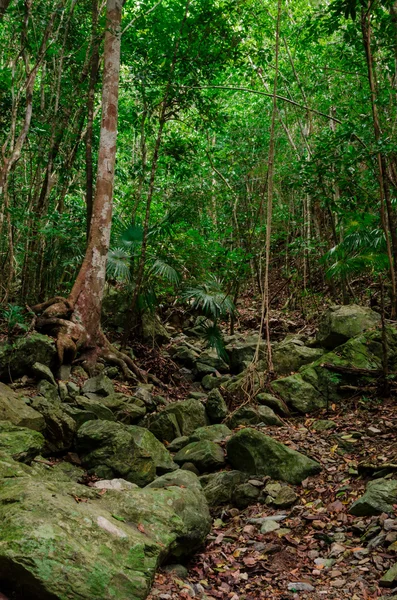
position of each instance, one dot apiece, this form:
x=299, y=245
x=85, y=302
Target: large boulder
x=204, y=455
x=114, y=450
x=14, y=409
x=291, y=354
x=100, y=384
x=341, y=323
x=380, y=496
x=20, y=443
x=17, y=359
x=177, y=419
x=253, y=452
x=276, y=404
x=298, y=394
x=65, y=540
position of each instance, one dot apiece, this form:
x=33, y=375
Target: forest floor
x=335, y=555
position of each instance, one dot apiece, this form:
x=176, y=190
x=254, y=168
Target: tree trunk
x=87, y=293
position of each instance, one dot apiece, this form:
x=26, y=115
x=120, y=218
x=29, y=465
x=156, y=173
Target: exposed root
x=57, y=319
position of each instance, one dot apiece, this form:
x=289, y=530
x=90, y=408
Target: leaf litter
x=319, y=551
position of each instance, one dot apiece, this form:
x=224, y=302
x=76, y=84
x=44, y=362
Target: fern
x=213, y=336
x=119, y=264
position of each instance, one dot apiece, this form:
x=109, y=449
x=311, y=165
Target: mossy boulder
x=291, y=354
x=276, y=404
x=211, y=359
x=20, y=443
x=253, y=415
x=204, y=455
x=100, y=384
x=60, y=427
x=300, y=395
x=241, y=351
x=177, y=419
x=153, y=330
x=245, y=494
x=216, y=407
x=340, y=323
x=253, y=452
x=219, y=487
x=17, y=359
x=379, y=497
x=114, y=450
x=213, y=433
x=105, y=546
x=14, y=409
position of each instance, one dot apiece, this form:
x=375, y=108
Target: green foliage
x=14, y=317
x=210, y=299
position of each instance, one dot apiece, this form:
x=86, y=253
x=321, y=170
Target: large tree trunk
x=76, y=321
x=87, y=293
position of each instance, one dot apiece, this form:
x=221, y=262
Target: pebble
x=338, y=583
x=300, y=586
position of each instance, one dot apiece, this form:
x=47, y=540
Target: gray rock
x=177, y=419
x=14, y=409
x=216, y=407
x=291, y=354
x=112, y=450
x=211, y=358
x=18, y=358
x=300, y=586
x=213, y=433
x=279, y=406
x=179, y=571
x=298, y=394
x=252, y=415
x=73, y=389
x=60, y=427
x=49, y=391
x=379, y=497
x=269, y=526
x=244, y=495
x=114, y=484
x=100, y=384
x=205, y=455
x=178, y=443
x=179, y=478
x=253, y=452
x=43, y=372
x=341, y=323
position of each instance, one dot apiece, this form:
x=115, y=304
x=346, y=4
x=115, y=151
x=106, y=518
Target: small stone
x=269, y=526
x=300, y=586
x=338, y=583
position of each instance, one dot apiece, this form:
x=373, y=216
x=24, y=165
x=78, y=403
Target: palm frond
x=165, y=271
x=213, y=336
x=210, y=299
x=118, y=264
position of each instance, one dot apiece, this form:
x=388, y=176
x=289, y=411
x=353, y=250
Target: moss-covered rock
x=104, y=547
x=204, y=455
x=17, y=359
x=216, y=407
x=253, y=415
x=276, y=404
x=211, y=359
x=380, y=496
x=177, y=419
x=298, y=394
x=100, y=384
x=219, y=487
x=245, y=494
x=253, y=452
x=60, y=427
x=114, y=450
x=20, y=443
x=213, y=433
x=341, y=323
x=242, y=351
x=14, y=409
x=153, y=330
x=291, y=354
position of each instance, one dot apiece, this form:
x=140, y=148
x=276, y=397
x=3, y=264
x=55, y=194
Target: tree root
x=56, y=319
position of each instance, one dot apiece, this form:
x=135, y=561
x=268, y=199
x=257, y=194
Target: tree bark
x=87, y=292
